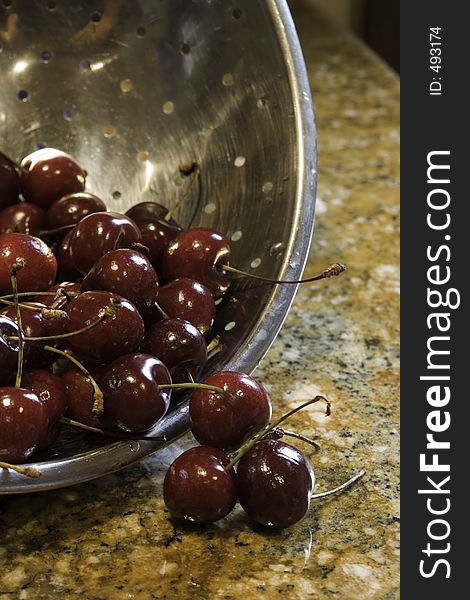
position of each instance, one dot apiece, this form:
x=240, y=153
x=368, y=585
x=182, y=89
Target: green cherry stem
x=332, y=271
x=98, y=402
x=259, y=436
x=14, y=284
x=27, y=471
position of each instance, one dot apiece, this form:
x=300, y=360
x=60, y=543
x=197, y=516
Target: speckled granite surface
x=111, y=539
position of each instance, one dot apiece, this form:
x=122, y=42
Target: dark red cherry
x=189, y=300
x=225, y=421
x=49, y=175
x=133, y=401
x=197, y=486
x=50, y=389
x=22, y=217
x=119, y=334
x=9, y=181
x=66, y=265
x=8, y=350
x=156, y=232
x=127, y=273
x=275, y=482
x=80, y=396
x=59, y=300
x=71, y=209
x=40, y=265
x=179, y=345
x=200, y=254
x=23, y=424
x=99, y=233
x=33, y=325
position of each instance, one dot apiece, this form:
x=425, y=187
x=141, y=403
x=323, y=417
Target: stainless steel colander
x=134, y=88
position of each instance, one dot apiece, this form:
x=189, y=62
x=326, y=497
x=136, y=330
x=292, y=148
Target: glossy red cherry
x=80, y=397
x=197, y=486
x=65, y=263
x=22, y=217
x=33, y=325
x=199, y=254
x=23, y=424
x=8, y=350
x=119, y=334
x=50, y=389
x=72, y=208
x=189, y=300
x=275, y=482
x=133, y=401
x=99, y=233
x=127, y=273
x=156, y=232
x=58, y=300
x=225, y=421
x=40, y=265
x=9, y=181
x=49, y=175
x=180, y=347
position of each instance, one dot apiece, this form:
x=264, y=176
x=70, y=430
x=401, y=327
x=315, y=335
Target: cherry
x=23, y=423
x=59, y=300
x=49, y=175
x=22, y=217
x=40, y=265
x=226, y=421
x=65, y=262
x=275, y=483
x=180, y=347
x=9, y=181
x=133, y=401
x=50, y=389
x=118, y=334
x=80, y=395
x=156, y=231
x=72, y=208
x=8, y=349
x=98, y=233
x=201, y=254
x=189, y=300
x=33, y=325
x=198, y=488
x=127, y=273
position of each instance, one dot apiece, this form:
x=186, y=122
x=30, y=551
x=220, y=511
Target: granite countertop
x=111, y=539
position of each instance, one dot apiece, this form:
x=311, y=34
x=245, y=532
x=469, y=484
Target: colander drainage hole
x=237, y=13
x=230, y=326
x=85, y=65
x=46, y=56
x=95, y=17
x=239, y=161
x=185, y=48
x=236, y=235
x=7, y=3
x=168, y=107
x=255, y=263
x=227, y=79
x=141, y=31
x=22, y=95
x=51, y=5
x=69, y=114
x=116, y=194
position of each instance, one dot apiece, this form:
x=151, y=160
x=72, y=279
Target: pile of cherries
x=103, y=316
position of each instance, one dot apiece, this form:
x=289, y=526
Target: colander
x=134, y=88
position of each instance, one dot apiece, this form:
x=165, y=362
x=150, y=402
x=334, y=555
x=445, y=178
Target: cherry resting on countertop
x=133, y=401
x=119, y=334
x=275, y=482
x=22, y=217
x=40, y=266
x=189, y=300
x=48, y=175
x=23, y=423
x=198, y=488
x=125, y=272
x=200, y=254
x=98, y=233
x=227, y=421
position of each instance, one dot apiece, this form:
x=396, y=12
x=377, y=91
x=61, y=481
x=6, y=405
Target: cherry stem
x=24, y=294
x=343, y=486
x=332, y=271
x=108, y=312
x=195, y=175
x=121, y=435
x=160, y=310
x=47, y=313
x=14, y=284
x=260, y=435
x=28, y=471
x=278, y=433
x=57, y=229
x=195, y=386
x=98, y=402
